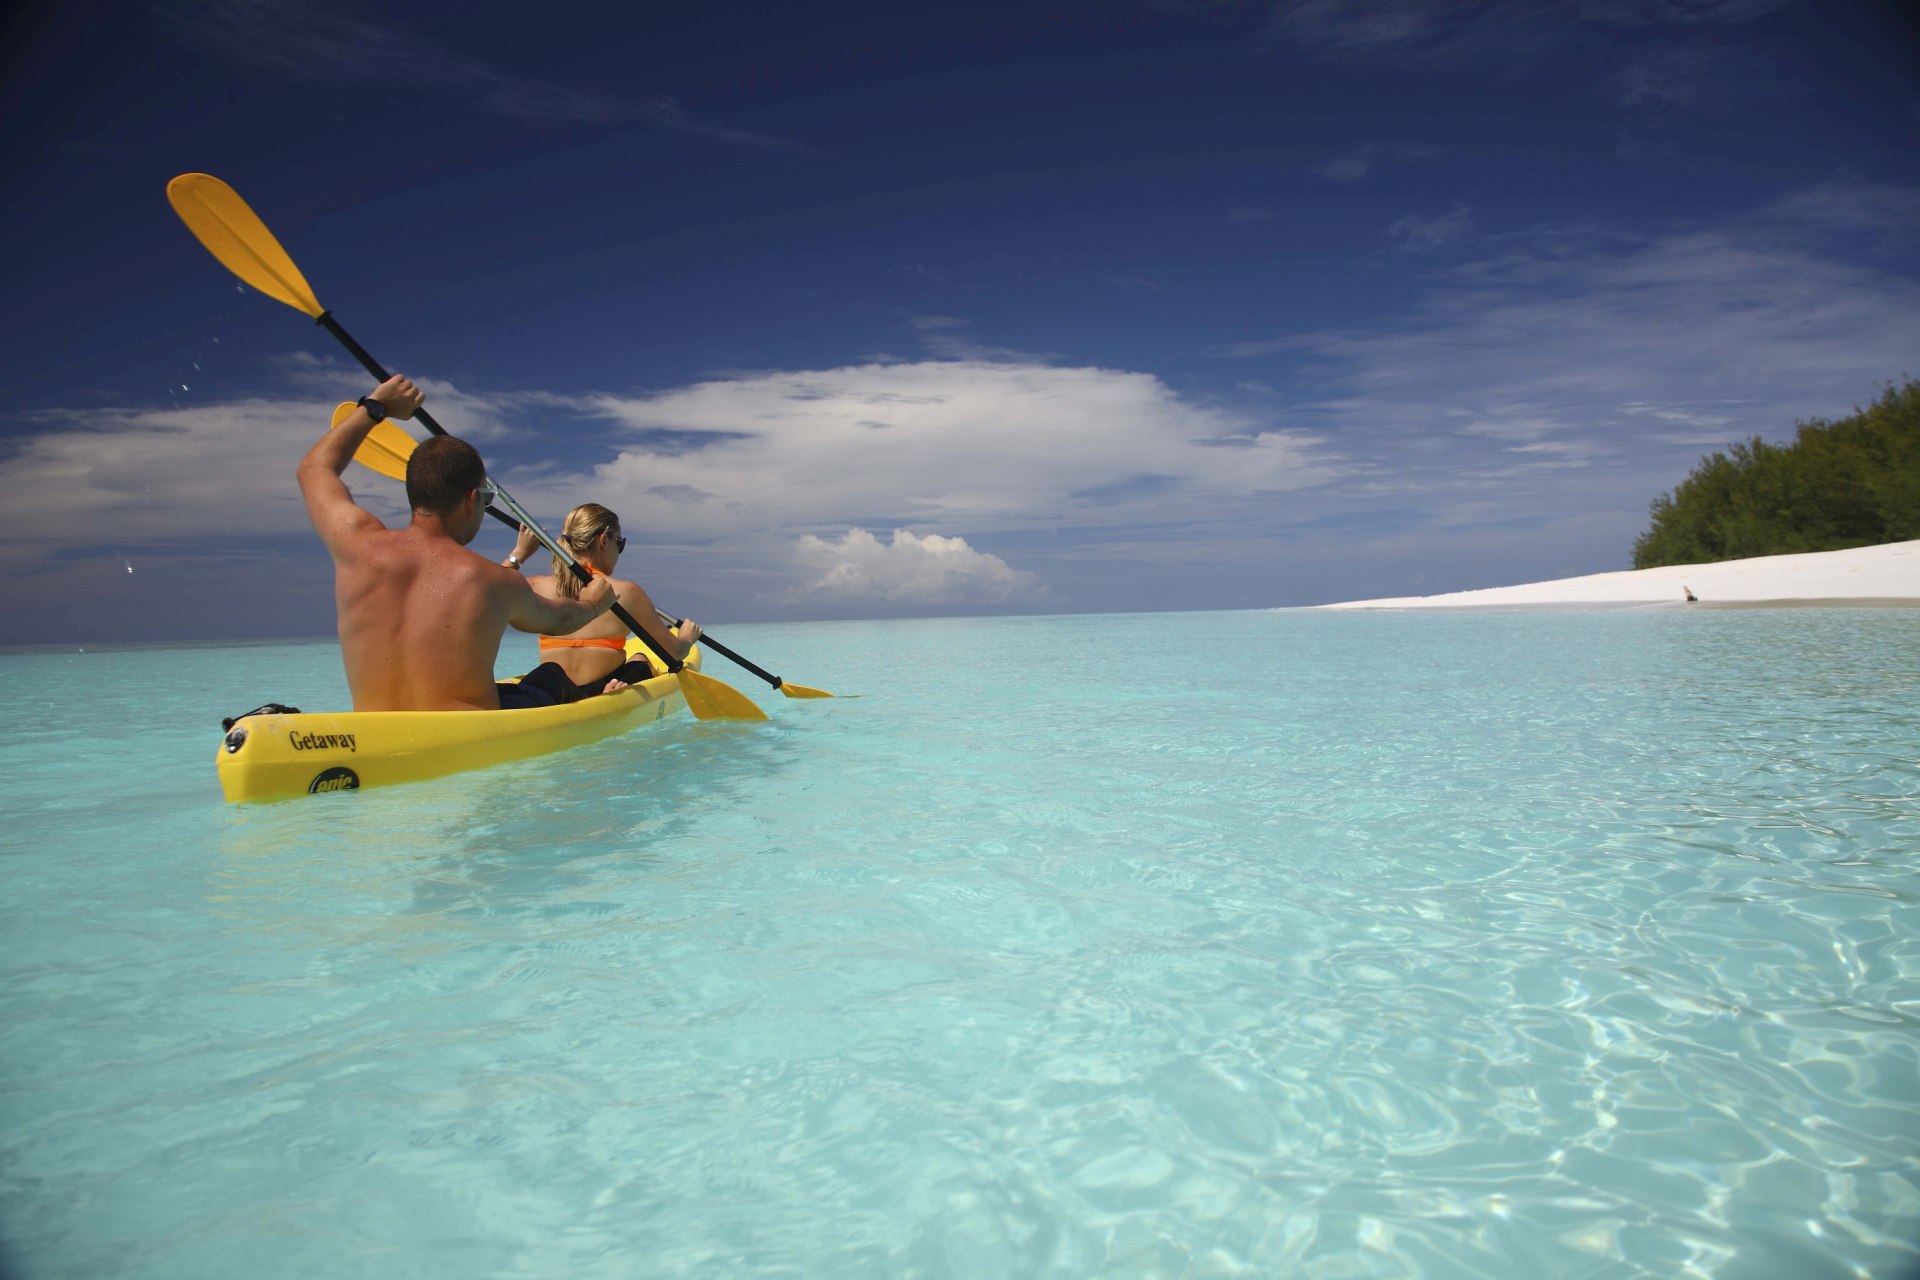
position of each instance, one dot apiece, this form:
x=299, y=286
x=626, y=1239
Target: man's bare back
x=421, y=616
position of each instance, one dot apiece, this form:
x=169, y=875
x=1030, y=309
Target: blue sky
x=867, y=310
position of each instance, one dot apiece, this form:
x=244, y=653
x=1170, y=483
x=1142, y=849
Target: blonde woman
x=594, y=657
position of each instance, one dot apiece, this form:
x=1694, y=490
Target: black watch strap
x=375, y=410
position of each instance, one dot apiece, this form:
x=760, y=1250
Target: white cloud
x=718, y=481
x=969, y=444
x=139, y=476
x=857, y=568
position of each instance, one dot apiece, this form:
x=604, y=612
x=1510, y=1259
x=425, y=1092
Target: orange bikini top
x=616, y=643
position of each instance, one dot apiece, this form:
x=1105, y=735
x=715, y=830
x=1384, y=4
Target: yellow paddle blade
x=793, y=690
x=710, y=699
x=370, y=454
x=394, y=442
x=233, y=233
x=386, y=448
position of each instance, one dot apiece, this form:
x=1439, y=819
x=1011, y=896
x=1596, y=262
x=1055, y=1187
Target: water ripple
x=1455, y=946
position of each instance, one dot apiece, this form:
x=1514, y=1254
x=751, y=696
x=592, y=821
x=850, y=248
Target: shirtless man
x=421, y=616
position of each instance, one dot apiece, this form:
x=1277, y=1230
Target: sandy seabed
x=1884, y=575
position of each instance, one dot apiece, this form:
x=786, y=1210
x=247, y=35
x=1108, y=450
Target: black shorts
x=544, y=686
x=548, y=686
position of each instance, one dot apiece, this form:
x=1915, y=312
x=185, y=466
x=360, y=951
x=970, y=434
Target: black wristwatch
x=375, y=410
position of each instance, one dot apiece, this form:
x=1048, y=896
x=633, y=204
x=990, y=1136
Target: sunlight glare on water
x=1443, y=945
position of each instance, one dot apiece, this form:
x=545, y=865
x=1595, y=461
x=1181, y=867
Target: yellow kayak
x=276, y=757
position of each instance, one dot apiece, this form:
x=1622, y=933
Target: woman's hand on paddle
x=525, y=545
x=399, y=395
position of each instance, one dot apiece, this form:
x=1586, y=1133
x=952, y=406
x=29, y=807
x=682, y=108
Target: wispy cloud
x=1693, y=78
x=1253, y=347
x=1696, y=424
x=1874, y=217
x=330, y=44
x=1357, y=25
x=1677, y=12
x=1618, y=354
x=925, y=273
x=1660, y=80
x=1447, y=29
x=947, y=338
x=1405, y=29
x=1360, y=162
x=1416, y=234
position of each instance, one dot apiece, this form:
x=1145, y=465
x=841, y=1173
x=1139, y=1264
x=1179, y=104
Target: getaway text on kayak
x=320, y=741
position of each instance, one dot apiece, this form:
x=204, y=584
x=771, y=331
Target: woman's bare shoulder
x=632, y=594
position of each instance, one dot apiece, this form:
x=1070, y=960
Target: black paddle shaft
x=725, y=652
x=372, y=366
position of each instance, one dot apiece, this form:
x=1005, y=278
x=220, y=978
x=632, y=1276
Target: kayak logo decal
x=320, y=741
x=338, y=778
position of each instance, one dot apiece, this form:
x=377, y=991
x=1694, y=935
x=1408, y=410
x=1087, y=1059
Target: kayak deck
x=277, y=757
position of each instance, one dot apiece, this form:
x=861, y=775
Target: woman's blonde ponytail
x=583, y=527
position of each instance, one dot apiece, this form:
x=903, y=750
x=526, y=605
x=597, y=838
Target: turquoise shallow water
x=1354, y=945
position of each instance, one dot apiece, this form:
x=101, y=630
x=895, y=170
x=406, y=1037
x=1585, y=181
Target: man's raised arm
x=329, y=505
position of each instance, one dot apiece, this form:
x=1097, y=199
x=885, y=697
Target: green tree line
x=1851, y=483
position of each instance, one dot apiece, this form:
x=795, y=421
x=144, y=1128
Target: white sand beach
x=1887, y=574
